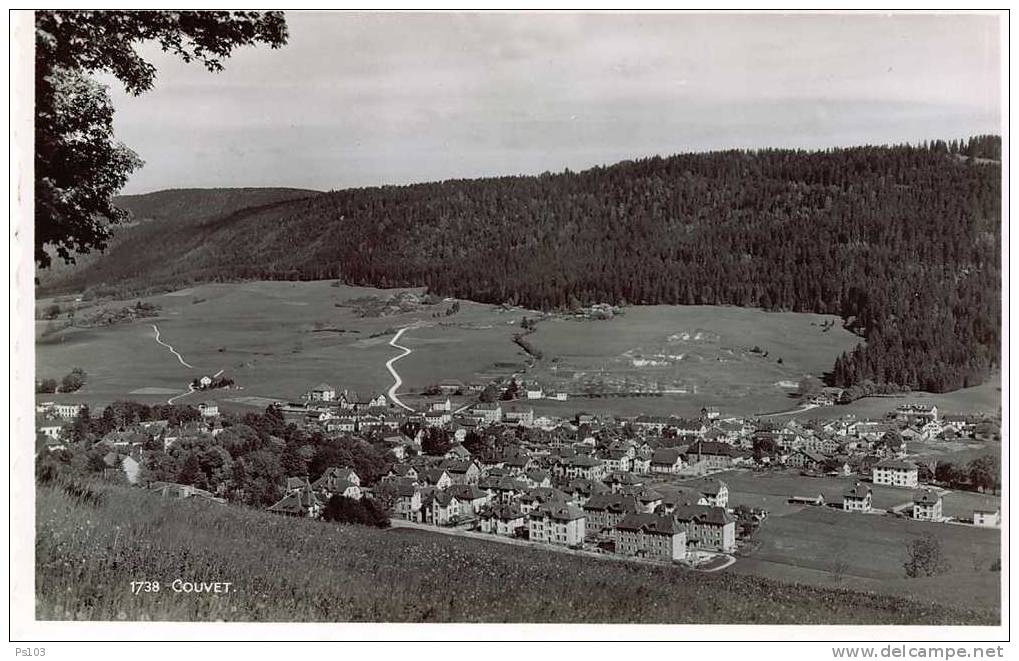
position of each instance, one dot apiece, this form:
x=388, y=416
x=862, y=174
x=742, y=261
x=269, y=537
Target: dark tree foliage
x=368, y=462
x=365, y=512
x=902, y=242
x=437, y=441
x=78, y=166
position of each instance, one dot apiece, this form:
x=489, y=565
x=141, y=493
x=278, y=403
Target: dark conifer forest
x=902, y=242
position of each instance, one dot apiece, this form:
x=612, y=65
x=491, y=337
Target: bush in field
x=925, y=557
x=365, y=512
x=73, y=381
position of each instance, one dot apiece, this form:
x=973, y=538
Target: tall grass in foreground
x=90, y=547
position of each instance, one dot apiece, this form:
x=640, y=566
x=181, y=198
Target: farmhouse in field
x=857, y=498
x=927, y=505
x=987, y=517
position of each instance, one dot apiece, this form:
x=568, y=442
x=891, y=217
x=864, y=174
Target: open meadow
x=277, y=339
x=825, y=546
x=743, y=360
x=89, y=549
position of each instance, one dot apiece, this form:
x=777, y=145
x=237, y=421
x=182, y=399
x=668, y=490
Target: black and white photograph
x=527, y=319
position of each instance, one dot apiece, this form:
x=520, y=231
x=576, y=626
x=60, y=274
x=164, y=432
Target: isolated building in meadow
x=857, y=498
x=927, y=505
x=987, y=517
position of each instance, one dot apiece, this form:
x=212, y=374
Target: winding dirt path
x=397, y=381
x=172, y=350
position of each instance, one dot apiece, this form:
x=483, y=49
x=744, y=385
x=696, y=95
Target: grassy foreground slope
x=87, y=553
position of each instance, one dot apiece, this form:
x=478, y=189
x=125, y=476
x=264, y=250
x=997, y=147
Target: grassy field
x=699, y=355
x=825, y=546
x=296, y=570
x=276, y=340
x=985, y=398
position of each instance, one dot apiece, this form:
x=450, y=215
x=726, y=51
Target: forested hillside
x=902, y=242
x=176, y=207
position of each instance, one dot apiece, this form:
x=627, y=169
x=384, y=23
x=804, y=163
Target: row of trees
x=73, y=381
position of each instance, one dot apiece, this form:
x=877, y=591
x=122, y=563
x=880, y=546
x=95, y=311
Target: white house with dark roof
x=857, y=498
x=927, y=505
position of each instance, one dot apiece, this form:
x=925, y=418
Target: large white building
x=656, y=536
x=896, y=473
x=562, y=525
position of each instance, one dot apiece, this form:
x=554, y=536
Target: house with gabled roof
x=461, y=471
x=502, y=519
x=927, y=505
x=619, y=480
x=537, y=477
x=471, y=498
x=488, y=412
x=301, y=502
x=502, y=489
x=711, y=491
x=666, y=460
x=580, y=466
x=538, y=496
x=338, y=481
x=581, y=489
x=435, y=477
x=647, y=498
x=857, y=498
